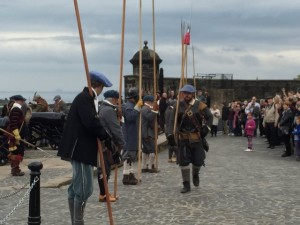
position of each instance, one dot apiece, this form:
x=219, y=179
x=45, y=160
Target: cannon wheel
x=54, y=142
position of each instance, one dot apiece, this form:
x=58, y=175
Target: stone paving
x=236, y=187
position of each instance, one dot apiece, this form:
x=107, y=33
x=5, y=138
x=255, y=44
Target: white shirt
x=96, y=100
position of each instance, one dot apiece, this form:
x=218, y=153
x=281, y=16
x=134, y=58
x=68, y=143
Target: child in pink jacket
x=249, y=131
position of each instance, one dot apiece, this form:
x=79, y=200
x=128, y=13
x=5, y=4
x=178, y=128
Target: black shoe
x=186, y=187
x=153, y=170
x=145, y=170
x=129, y=179
x=196, y=180
x=285, y=154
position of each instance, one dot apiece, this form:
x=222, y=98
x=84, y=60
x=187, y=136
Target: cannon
x=46, y=126
x=4, y=121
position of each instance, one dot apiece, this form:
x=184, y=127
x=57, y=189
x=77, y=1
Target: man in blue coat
x=79, y=144
x=131, y=112
x=149, y=113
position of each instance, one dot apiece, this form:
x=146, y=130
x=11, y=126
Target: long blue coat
x=130, y=127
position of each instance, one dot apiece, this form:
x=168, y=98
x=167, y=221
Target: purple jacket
x=250, y=127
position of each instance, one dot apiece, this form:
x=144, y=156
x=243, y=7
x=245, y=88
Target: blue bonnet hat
x=111, y=94
x=100, y=77
x=188, y=88
x=148, y=98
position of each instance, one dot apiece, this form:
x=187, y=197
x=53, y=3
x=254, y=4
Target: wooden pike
x=24, y=141
x=120, y=84
x=154, y=85
x=140, y=93
x=100, y=152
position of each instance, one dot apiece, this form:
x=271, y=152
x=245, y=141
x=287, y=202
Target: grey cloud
x=225, y=34
x=250, y=60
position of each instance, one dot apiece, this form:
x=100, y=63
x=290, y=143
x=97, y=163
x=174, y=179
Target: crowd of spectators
x=275, y=119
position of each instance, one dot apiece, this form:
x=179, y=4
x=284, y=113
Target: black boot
x=133, y=179
x=126, y=179
x=186, y=187
x=79, y=212
x=71, y=208
x=196, y=179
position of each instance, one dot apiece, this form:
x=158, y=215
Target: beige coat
x=271, y=115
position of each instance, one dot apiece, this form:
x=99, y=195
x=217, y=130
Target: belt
x=189, y=136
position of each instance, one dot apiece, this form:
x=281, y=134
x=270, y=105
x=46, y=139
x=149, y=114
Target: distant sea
x=67, y=96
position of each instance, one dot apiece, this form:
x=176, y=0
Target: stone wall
x=227, y=90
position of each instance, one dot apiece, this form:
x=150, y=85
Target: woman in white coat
x=216, y=116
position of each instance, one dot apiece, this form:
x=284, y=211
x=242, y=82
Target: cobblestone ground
x=236, y=187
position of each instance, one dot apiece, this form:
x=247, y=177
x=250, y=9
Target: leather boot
x=15, y=169
x=102, y=198
x=129, y=179
x=186, y=187
x=71, y=208
x=125, y=179
x=133, y=179
x=79, y=212
x=196, y=179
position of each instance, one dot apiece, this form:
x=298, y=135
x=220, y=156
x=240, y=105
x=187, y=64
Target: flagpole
x=140, y=93
x=186, y=64
x=194, y=73
x=100, y=152
x=182, y=55
x=154, y=85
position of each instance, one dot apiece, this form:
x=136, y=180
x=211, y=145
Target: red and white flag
x=187, y=37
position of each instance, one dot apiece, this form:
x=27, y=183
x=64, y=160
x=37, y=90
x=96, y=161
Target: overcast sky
x=40, y=47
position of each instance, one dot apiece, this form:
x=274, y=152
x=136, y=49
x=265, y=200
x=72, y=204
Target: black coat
x=225, y=113
x=287, y=119
x=79, y=140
